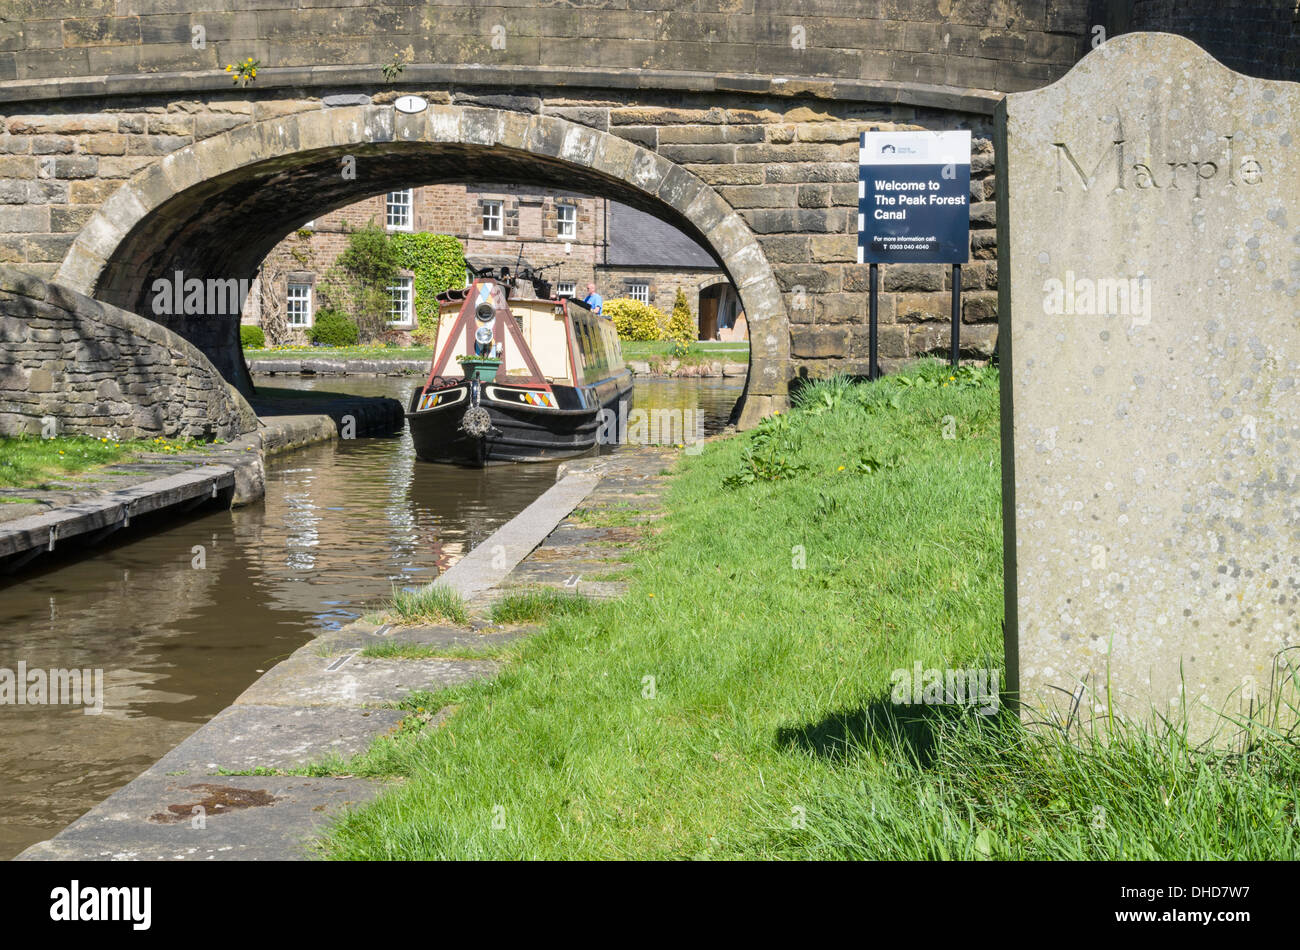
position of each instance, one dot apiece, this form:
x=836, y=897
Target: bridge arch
x=214, y=209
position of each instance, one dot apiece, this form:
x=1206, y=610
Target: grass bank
x=32, y=462
x=737, y=701
x=705, y=351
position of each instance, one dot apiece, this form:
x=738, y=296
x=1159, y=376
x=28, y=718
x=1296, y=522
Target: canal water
x=183, y=619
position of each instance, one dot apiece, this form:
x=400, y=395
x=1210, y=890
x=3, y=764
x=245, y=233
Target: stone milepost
x=1149, y=290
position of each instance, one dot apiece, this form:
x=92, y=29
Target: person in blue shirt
x=593, y=300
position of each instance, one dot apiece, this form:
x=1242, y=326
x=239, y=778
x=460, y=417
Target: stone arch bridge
x=128, y=155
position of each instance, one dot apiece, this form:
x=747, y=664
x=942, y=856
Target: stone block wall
x=102, y=371
x=1256, y=37
x=981, y=44
x=788, y=166
x=828, y=299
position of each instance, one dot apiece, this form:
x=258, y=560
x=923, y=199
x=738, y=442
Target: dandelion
x=840, y=469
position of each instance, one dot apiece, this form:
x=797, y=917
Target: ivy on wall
x=438, y=263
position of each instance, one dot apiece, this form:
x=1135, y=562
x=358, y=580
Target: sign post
x=914, y=207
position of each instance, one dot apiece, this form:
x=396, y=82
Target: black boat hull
x=518, y=433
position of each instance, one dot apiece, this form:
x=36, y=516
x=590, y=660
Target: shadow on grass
x=881, y=724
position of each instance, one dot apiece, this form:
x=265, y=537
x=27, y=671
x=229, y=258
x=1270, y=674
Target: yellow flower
x=840, y=469
x=648, y=595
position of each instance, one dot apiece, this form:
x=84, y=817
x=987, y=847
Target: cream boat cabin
x=518, y=375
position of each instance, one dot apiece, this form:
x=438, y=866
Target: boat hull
x=518, y=432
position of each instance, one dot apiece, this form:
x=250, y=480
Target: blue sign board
x=914, y=198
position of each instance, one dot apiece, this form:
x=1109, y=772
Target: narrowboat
x=518, y=375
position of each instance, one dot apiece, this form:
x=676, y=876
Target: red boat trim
x=502, y=317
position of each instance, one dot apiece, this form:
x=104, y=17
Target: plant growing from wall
x=245, y=72
x=438, y=263
x=395, y=69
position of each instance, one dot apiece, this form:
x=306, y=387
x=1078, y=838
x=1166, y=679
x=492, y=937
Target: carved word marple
x=1148, y=174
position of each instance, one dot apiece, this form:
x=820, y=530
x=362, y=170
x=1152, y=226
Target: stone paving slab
x=353, y=681
x=244, y=817
x=526, y=579
x=245, y=737
x=489, y=563
x=108, y=509
x=354, y=637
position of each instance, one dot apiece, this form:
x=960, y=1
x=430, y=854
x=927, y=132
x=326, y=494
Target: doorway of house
x=722, y=316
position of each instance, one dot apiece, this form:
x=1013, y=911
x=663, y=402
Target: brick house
x=577, y=238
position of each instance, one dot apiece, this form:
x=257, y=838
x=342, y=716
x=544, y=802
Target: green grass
x=532, y=606
x=419, y=651
x=736, y=702
x=32, y=462
x=432, y=604
x=614, y=516
x=703, y=351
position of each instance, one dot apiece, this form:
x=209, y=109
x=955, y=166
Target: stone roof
x=637, y=239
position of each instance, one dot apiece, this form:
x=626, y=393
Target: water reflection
x=182, y=619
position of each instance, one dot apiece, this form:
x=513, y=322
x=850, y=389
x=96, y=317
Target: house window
x=397, y=210
x=298, y=305
x=400, y=303
x=565, y=288
x=639, y=292
x=566, y=217
x=492, y=217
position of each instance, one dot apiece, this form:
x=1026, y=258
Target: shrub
x=333, y=329
x=251, y=337
x=635, y=320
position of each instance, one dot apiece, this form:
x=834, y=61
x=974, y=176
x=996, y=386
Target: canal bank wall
x=153, y=487
x=235, y=789
x=647, y=369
